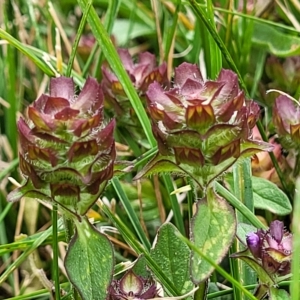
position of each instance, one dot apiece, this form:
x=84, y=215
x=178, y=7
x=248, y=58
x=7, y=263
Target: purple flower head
x=142, y=73
x=286, y=118
x=67, y=152
x=272, y=248
x=203, y=122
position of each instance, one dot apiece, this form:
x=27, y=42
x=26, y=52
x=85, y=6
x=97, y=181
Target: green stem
x=12, y=165
x=174, y=203
x=139, y=249
x=234, y=270
x=220, y=270
x=77, y=39
x=36, y=243
x=5, y=211
x=117, y=67
x=244, y=210
x=297, y=166
x=55, y=252
x=295, y=287
x=131, y=213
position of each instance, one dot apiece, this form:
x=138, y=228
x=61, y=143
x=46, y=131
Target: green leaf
x=158, y=165
x=24, y=49
x=276, y=42
x=123, y=26
x=116, y=65
x=213, y=229
x=276, y=294
x=140, y=267
x=89, y=261
x=268, y=196
x=172, y=255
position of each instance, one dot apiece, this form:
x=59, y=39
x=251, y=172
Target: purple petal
x=147, y=58
x=66, y=114
x=192, y=89
x=185, y=71
x=254, y=244
x=79, y=150
x=26, y=138
x=89, y=96
x=277, y=230
x=285, y=109
x=231, y=87
x=42, y=121
x=62, y=87
x=40, y=103
x=126, y=60
x=54, y=105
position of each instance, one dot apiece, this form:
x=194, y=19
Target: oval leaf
x=172, y=255
x=89, y=262
x=213, y=229
x=275, y=41
x=268, y=196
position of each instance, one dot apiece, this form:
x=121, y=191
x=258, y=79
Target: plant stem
x=295, y=286
x=239, y=206
x=55, y=252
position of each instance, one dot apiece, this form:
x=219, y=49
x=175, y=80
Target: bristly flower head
x=286, y=118
x=142, y=74
x=205, y=124
x=272, y=248
x=67, y=151
x=133, y=287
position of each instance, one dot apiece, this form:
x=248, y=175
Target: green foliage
x=172, y=255
x=213, y=228
x=268, y=196
x=89, y=261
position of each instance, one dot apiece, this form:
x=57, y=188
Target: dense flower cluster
x=203, y=123
x=272, y=248
x=142, y=74
x=67, y=152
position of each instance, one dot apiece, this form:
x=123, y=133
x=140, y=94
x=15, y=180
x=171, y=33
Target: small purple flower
x=254, y=243
x=272, y=248
x=133, y=287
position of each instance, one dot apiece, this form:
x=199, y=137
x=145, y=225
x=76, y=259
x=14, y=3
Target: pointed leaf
x=160, y=164
x=213, y=228
x=140, y=267
x=172, y=255
x=89, y=262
